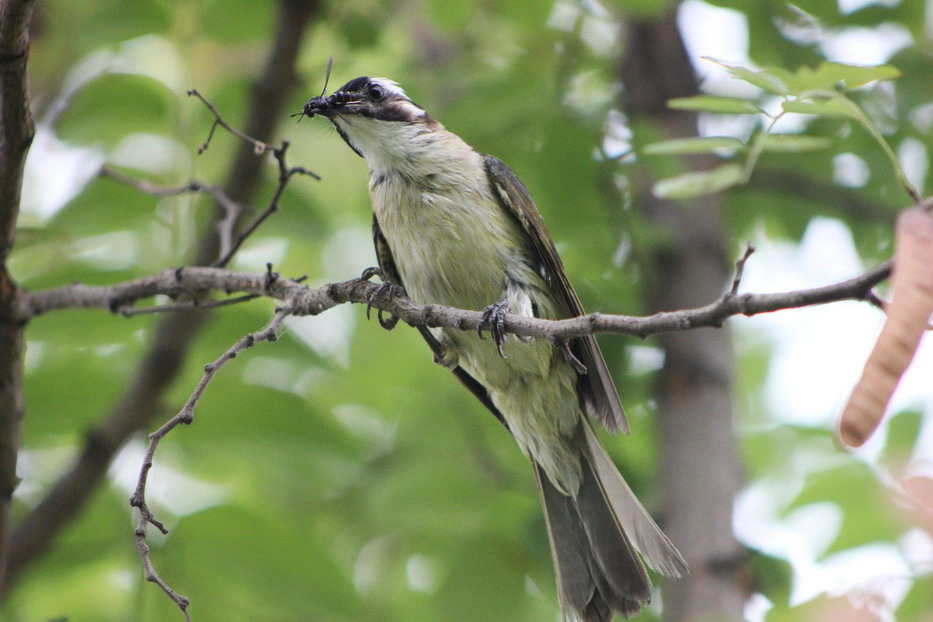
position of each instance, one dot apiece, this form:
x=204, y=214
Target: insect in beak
x=316, y=104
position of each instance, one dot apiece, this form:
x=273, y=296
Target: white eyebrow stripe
x=390, y=85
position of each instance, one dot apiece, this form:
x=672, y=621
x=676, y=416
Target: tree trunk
x=16, y=133
x=699, y=471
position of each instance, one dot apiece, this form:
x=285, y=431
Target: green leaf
x=710, y=103
x=822, y=108
x=115, y=105
x=766, y=79
x=903, y=432
x=831, y=75
x=706, y=144
x=795, y=143
x=691, y=185
x=867, y=514
x=826, y=76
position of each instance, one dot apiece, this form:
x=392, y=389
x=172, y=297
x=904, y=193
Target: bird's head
x=374, y=116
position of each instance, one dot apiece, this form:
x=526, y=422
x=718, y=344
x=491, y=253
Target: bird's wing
x=596, y=389
x=387, y=265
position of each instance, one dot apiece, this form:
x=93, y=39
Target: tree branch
x=312, y=301
x=16, y=125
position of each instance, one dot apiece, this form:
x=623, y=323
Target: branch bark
x=174, y=335
x=16, y=134
x=304, y=300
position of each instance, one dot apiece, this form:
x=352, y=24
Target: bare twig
x=230, y=242
x=117, y=298
x=876, y=300
x=232, y=210
x=259, y=147
x=195, y=304
x=186, y=416
x=226, y=227
x=285, y=175
x=740, y=268
x=231, y=207
x=147, y=187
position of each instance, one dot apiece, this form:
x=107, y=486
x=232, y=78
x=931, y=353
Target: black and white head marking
x=359, y=107
x=375, y=98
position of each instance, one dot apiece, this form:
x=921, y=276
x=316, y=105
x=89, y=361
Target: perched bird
x=455, y=227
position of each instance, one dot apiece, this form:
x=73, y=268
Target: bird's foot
x=385, y=291
x=446, y=357
x=494, y=321
x=570, y=357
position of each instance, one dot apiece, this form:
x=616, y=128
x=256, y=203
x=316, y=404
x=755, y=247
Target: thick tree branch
x=16, y=133
x=16, y=125
x=312, y=301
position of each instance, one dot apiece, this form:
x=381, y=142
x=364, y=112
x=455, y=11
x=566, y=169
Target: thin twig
x=232, y=209
x=226, y=227
x=230, y=241
x=876, y=300
x=740, y=268
x=186, y=416
x=259, y=147
x=147, y=187
x=285, y=175
x=195, y=304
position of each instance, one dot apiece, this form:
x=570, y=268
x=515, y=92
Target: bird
x=455, y=227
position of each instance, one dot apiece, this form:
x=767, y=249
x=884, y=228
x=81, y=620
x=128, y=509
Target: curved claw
x=494, y=321
x=386, y=289
x=372, y=271
x=571, y=358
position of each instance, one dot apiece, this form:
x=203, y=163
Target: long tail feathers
x=655, y=547
x=597, y=571
x=594, y=539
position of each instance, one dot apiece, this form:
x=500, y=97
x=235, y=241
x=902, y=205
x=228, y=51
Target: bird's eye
x=376, y=92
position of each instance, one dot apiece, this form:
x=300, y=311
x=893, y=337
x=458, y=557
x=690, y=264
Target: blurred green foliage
x=337, y=474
